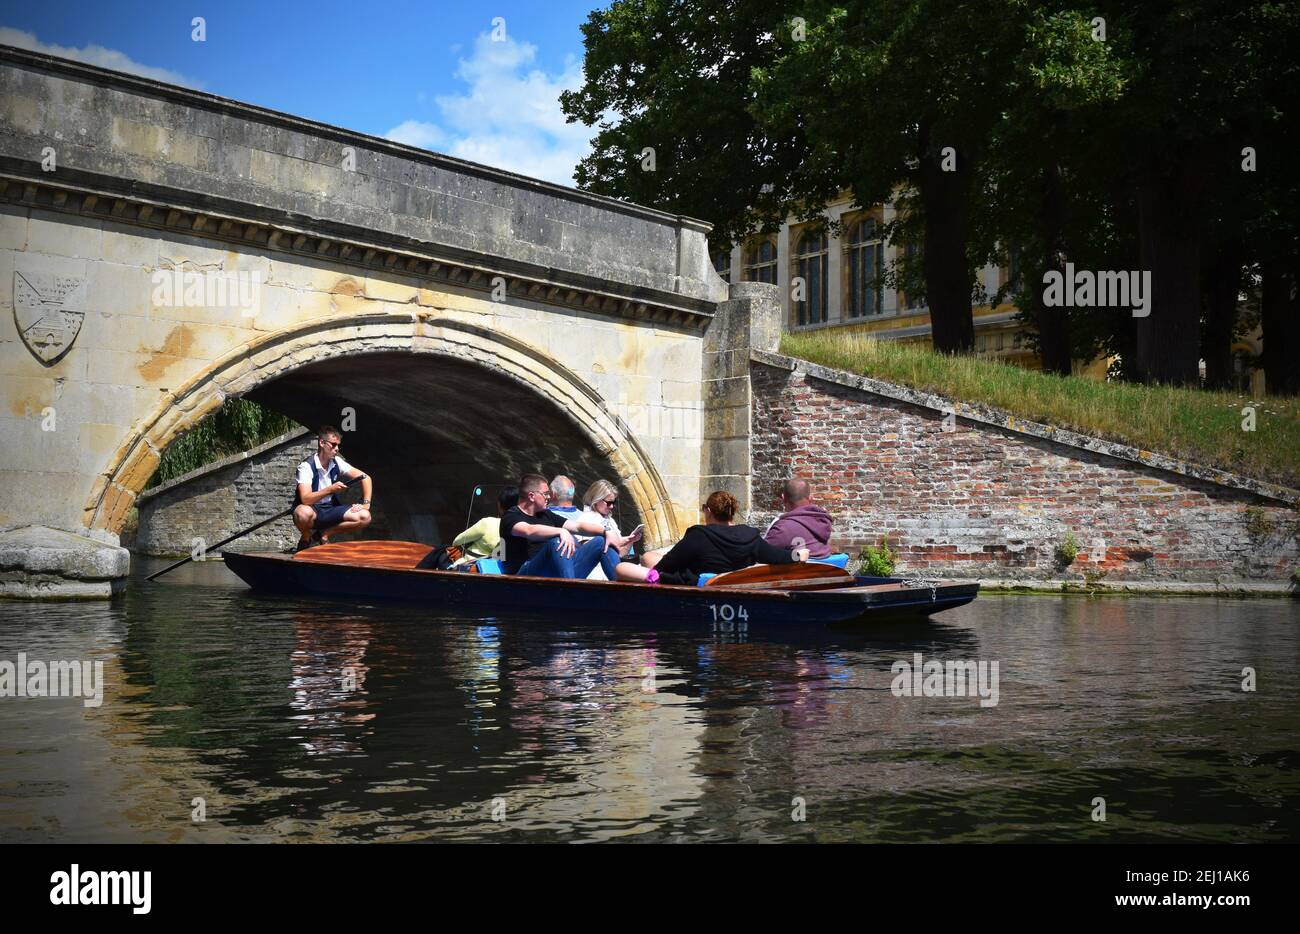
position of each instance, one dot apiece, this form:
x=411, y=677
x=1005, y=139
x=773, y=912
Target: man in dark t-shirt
x=540, y=544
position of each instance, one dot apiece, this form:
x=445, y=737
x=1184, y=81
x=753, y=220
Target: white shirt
x=590, y=515
x=306, y=468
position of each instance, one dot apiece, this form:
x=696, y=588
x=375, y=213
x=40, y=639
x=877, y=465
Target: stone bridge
x=163, y=249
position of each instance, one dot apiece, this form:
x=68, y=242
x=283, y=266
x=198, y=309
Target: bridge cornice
x=278, y=231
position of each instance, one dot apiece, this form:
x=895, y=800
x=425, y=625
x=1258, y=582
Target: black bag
x=441, y=558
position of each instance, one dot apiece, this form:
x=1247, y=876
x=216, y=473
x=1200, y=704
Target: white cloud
x=416, y=133
x=509, y=117
x=93, y=55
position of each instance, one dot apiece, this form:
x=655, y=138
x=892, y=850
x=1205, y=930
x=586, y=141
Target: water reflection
x=306, y=719
x=328, y=682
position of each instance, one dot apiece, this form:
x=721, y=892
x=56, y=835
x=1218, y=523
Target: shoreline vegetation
x=1200, y=426
x=238, y=425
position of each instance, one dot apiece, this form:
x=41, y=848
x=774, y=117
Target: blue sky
x=426, y=73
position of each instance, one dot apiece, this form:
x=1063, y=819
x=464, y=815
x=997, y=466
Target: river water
x=279, y=718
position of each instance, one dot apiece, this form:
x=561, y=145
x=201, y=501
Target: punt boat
x=805, y=595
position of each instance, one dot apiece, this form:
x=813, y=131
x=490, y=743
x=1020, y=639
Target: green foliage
x=678, y=76
x=1258, y=524
x=239, y=424
x=878, y=561
x=1059, y=135
x=1067, y=550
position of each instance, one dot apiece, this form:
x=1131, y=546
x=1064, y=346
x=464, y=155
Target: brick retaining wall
x=981, y=500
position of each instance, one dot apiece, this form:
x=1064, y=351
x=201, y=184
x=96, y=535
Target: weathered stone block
x=17, y=360
x=726, y=422
x=130, y=246
x=727, y=456
x=727, y=393
x=77, y=237
x=13, y=227
x=41, y=496
x=37, y=562
x=674, y=392
x=680, y=458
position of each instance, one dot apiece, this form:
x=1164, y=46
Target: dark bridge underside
x=429, y=429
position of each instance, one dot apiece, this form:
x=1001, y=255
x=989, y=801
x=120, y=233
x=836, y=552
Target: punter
x=319, y=515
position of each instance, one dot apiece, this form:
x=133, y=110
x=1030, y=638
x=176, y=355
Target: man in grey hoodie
x=801, y=520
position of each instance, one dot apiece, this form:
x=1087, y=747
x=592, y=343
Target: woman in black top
x=718, y=546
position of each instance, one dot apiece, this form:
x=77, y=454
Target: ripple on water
x=306, y=719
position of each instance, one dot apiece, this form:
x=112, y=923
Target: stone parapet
x=132, y=149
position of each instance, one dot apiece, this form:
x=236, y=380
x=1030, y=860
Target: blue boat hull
x=719, y=609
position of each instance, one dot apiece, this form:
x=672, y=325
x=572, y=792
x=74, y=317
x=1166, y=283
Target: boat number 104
x=728, y=618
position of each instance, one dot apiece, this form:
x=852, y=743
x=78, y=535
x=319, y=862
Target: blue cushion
x=704, y=579
x=840, y=560
x=489, y=566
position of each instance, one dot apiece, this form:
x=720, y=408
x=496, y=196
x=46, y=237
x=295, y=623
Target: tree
x=1043, y=174
x=756, y=116
x=1110, y=134
x=675, y=77
x=1204, y=76
x=897, y=99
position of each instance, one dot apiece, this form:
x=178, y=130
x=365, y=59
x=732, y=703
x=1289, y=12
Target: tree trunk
x=1280, y=323
x=1168, y=337
x=945, y=199
x=1053, y=323
x=1222, y=285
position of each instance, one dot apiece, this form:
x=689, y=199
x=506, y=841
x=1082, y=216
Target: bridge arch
x=482, y=382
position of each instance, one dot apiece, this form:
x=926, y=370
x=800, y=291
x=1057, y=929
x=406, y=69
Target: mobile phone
x=639, y=528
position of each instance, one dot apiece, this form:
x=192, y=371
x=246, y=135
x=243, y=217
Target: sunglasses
x=334, y=444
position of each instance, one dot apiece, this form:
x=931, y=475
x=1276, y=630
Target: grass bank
x=1189, y=424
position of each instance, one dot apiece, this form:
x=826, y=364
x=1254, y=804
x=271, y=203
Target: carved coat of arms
x=49, y=309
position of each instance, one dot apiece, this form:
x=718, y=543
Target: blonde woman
x=598, y=506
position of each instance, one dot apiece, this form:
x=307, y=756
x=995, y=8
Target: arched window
x=760, y=262
x=722, y=264
x=863, y=262
x=810, y=263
